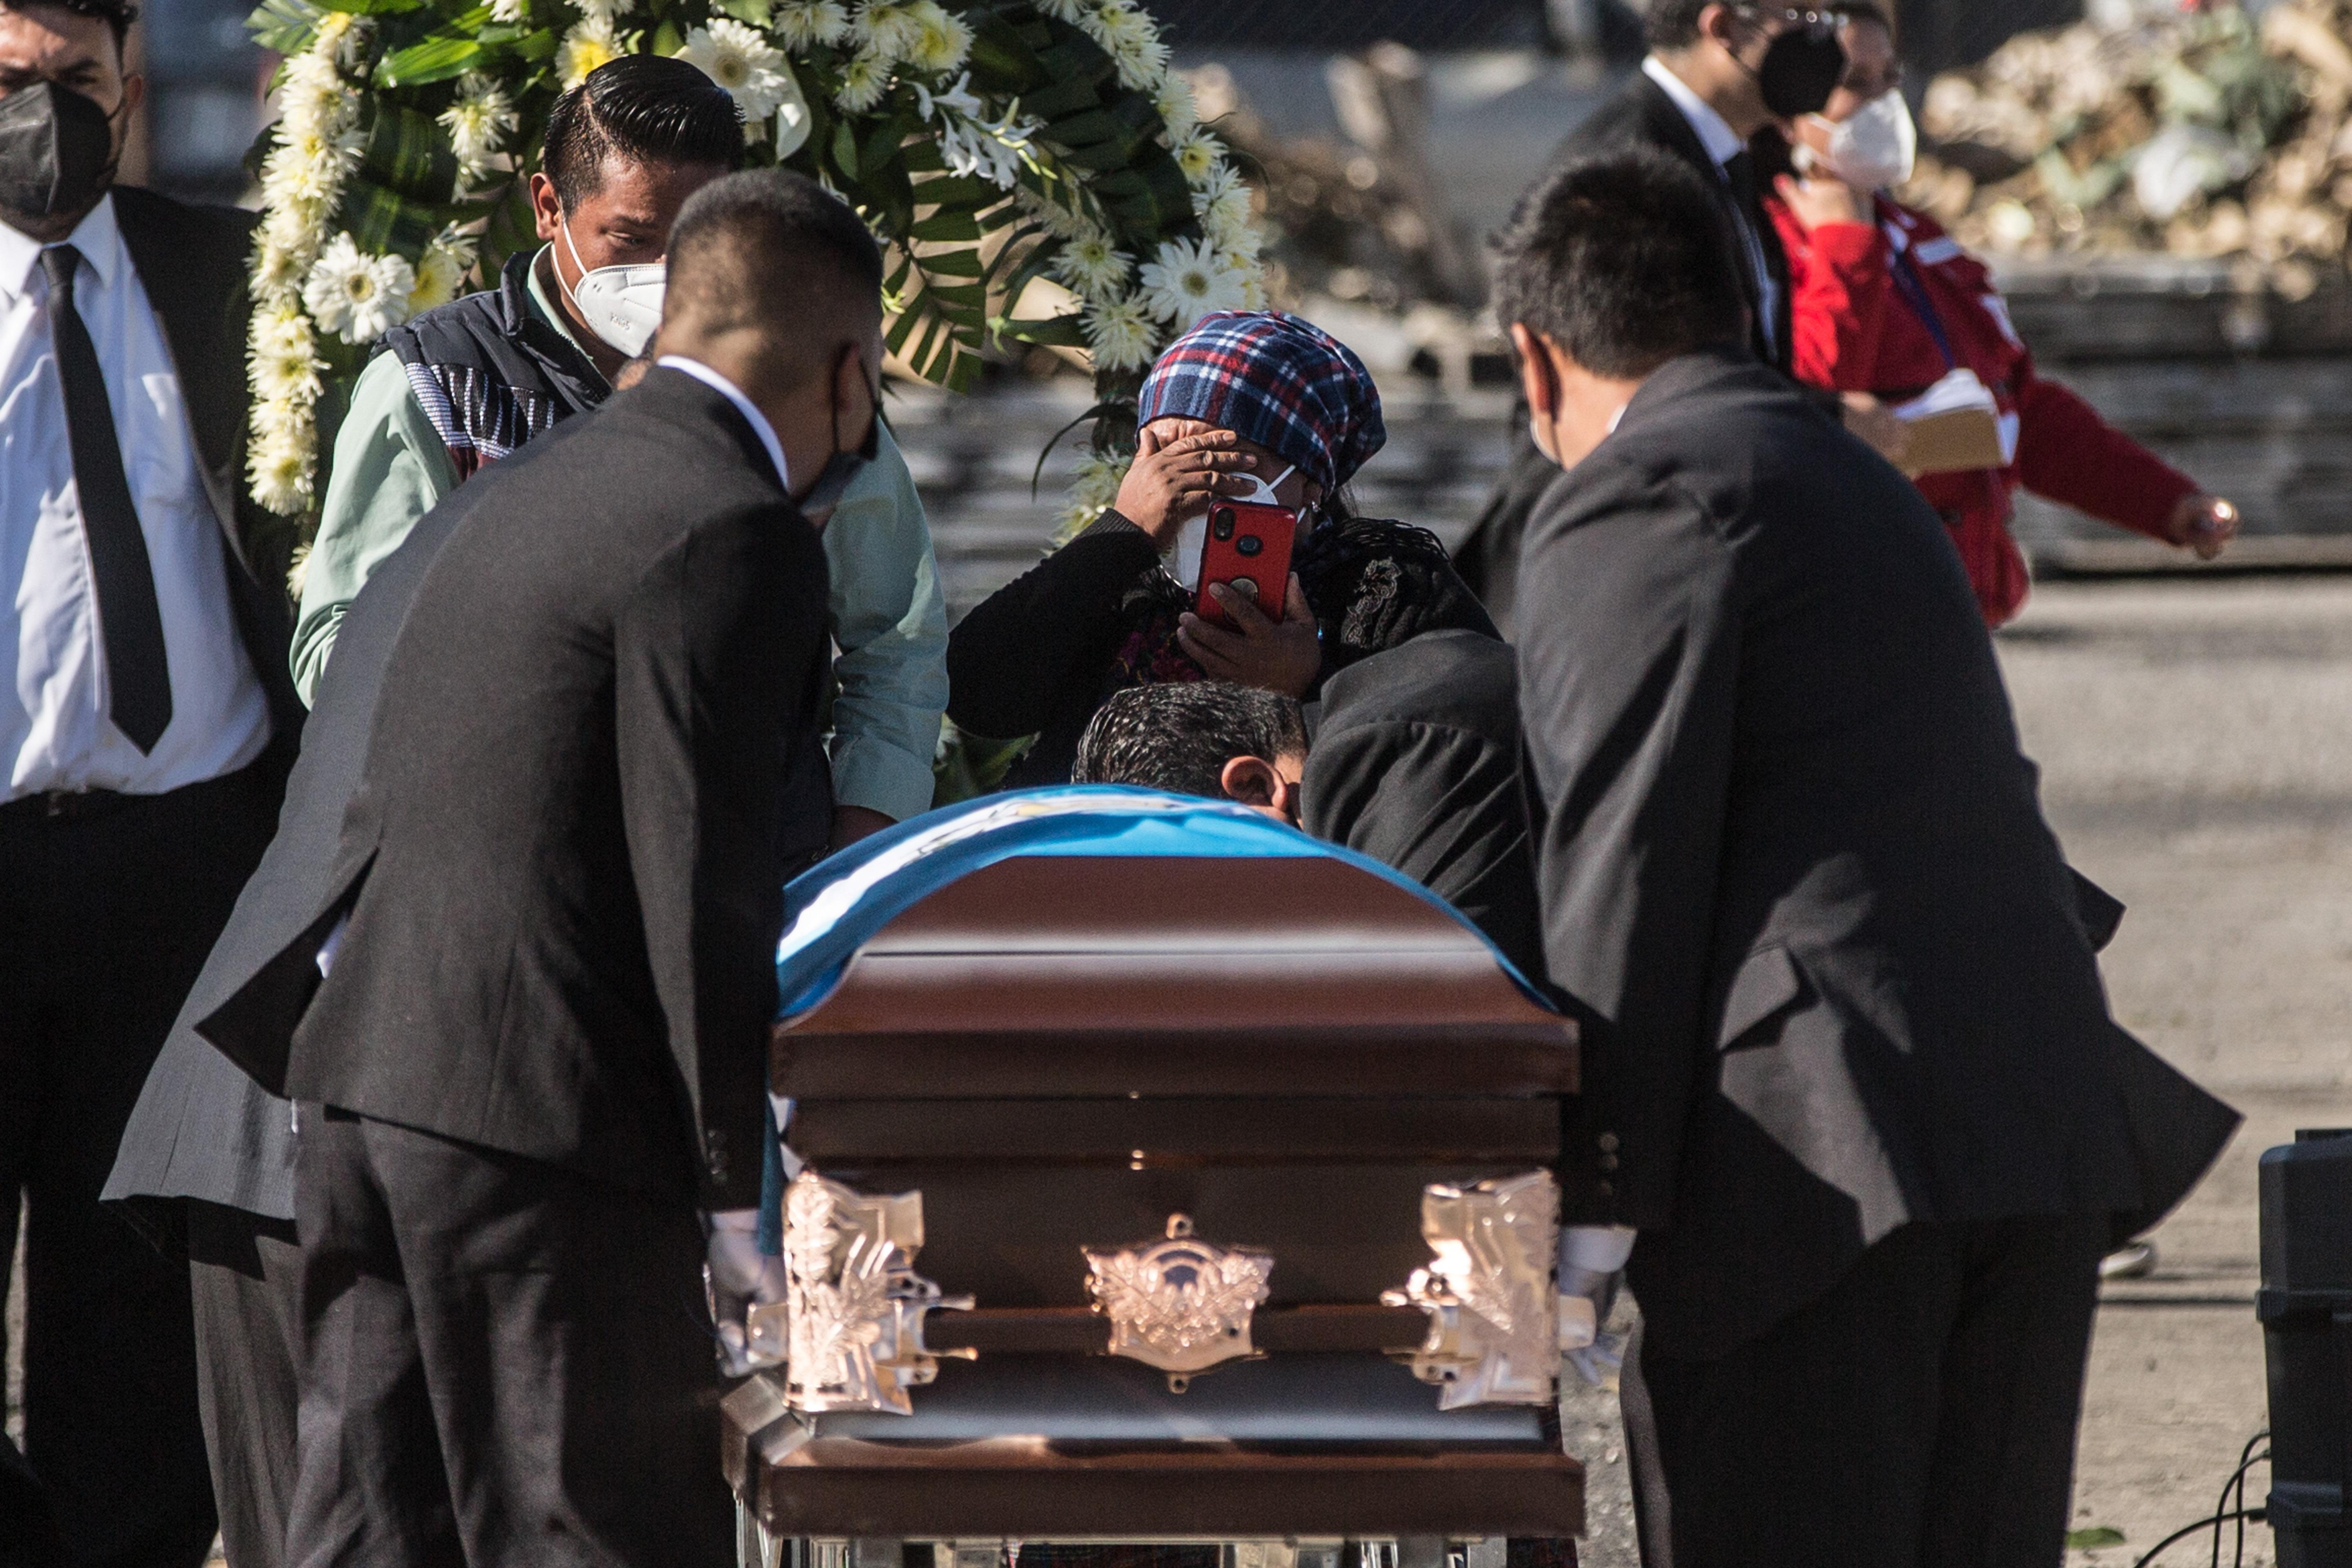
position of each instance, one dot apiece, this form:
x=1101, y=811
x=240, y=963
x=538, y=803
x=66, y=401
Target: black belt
x=66, y=805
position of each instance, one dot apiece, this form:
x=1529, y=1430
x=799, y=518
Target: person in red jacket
x=1884, y=302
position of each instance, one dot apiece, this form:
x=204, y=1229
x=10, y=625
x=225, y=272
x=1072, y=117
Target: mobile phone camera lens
x=1249, y=545
x=1221, y=522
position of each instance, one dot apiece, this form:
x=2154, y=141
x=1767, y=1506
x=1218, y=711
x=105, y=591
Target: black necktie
x=138, y=675
x=1747, y=214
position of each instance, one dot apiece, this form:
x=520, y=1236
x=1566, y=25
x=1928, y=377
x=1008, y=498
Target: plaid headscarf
x=1271, y=378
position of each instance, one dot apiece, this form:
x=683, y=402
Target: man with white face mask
x=462, y=385
x=1884, y=303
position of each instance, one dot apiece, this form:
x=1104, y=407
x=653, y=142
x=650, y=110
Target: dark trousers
x=1922, y=1415
x=105, y=917
x=502, y=1363
x=245, y=1272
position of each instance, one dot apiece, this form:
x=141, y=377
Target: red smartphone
x=1247, y=548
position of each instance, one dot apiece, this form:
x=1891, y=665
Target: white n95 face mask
x=1872, y=148
x=622, y=305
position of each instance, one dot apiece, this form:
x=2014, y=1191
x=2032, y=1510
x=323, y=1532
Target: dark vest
x=491, y=373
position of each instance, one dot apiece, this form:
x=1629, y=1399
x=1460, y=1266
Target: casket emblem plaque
x=853, y=1319
x=1181, y=1304
x=1493, y=1327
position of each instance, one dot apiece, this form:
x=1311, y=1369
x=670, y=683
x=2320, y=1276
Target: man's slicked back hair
x=1673, y=24
x=1178, y=735
x=1624, y=260
x=645, y=109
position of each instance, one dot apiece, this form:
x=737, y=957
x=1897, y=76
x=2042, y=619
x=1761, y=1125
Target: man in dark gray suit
x=548, y=936
x=1851, y=1076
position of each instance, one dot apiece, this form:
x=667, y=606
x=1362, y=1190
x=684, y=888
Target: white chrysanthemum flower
x=1253, y=295
x=1187, y=280
x=291, y=226
x=1088, y=266
x=356, y=295
x=510, y=13
x=278, y=464
x=283, y=356
x=277, y=273
x=1122, y=333
x=481, y=118
x=1070, y=11
x=889, y=28
x=943, y=40
x=1132, y=40
x=740, y=60
x=865, y=81
x=311, y=97
x=591, y=44
x=1177, y=110
x=1094, y=487
x=604, y=10
x=282, y=328
x=309, y=168
x=342, y=37
x=803, y=25
x=1198, y=154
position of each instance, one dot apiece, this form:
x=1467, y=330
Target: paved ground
x=2196, y=739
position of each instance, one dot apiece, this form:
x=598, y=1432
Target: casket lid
x=1194, y=946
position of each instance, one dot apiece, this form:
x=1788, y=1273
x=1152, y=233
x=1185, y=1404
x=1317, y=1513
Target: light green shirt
x=889, y=617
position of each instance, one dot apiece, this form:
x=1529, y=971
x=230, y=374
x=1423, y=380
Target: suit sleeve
x=1013, y=659
x=715, y=655
x=1629, y=691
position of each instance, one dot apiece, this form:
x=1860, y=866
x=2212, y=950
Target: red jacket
x=1855, y=329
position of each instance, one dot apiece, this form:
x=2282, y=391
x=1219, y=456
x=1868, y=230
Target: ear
x=546, y=210
x=1538, y=377
x=134, y=93
x=1254, y=782
x=1718, y=23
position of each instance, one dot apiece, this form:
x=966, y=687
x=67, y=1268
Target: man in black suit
x=146, y=725
x=1716, y=76
x=1850, y=1075
x=549, y=936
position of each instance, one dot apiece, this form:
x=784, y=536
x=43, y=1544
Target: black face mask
x=842, y=469
x=56, y=151
x=1801, y=69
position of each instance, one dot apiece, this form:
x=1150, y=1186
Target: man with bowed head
x=1851, y=1078
x=548, y=940
x=146, y=725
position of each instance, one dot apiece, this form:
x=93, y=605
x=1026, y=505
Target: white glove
x=1592, y=1262
x=737, y=1275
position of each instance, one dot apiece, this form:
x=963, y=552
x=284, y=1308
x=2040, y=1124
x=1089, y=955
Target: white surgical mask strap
x=563, y=224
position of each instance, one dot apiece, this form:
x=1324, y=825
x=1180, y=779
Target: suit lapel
x=1673, y=134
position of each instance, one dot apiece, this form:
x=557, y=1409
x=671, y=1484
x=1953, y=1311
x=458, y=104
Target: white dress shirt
x=744, y=405
x=1723, y=144
x=54, y=731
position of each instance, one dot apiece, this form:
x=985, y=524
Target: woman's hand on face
x=1174, y=478
x=1285, y=656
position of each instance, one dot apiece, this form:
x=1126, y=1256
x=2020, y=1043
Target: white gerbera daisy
x=1187, y=280
x=865, y=81
x=588, y=45
x=889, y=28
x=739, y=58
x=481, y=118
x=808, y=23
x=1122, y=333
x=1088, y=266
x=943, y=40
x=356, y=295
x=1198, y=154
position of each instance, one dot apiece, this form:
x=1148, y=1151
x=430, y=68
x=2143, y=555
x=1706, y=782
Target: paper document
x=1954, y=424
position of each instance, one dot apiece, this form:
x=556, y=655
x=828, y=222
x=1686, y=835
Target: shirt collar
x=97, y=236
x=1714, y=134
x=743, y=405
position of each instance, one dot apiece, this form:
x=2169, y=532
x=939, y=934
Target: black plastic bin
x=2305, y=1307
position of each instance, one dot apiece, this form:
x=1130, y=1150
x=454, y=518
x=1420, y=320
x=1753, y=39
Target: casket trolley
x=1157, y=1174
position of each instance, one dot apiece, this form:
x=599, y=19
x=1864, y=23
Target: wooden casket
x=1157, y=1174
